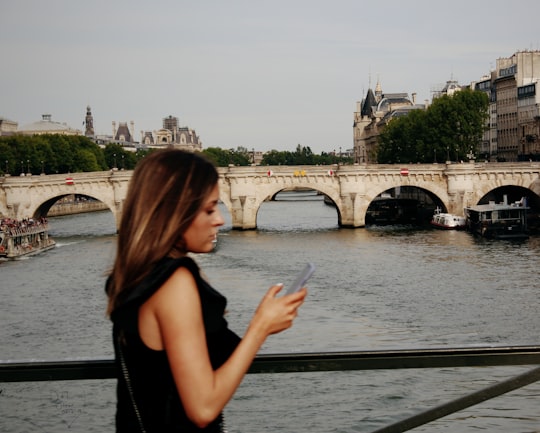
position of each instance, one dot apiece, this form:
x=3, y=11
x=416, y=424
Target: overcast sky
x=254, y=73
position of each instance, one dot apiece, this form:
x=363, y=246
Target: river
x=374, y=288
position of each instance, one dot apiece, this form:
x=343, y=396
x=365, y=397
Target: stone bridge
x=243, y=189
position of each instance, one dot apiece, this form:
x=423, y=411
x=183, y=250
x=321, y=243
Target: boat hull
x=446, y=221
x=499, y=232
x=31, y=252
x=498, y=220
x=448, y=227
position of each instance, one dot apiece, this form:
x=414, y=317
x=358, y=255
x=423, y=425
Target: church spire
x=89, y=121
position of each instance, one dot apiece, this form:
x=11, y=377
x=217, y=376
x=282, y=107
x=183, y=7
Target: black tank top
x=145, y=381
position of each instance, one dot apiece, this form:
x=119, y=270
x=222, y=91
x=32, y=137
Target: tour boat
x=499, y=220
x=24, y=238
x=447, y=221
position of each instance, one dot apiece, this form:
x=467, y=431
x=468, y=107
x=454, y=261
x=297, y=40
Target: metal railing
x=331, y=361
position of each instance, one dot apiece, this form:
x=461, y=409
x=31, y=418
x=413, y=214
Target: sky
x=252, y=73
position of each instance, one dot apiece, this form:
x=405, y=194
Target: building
x=89, y=122
x=47, y=126
x=7, y=127
x=172, y=135
x=123, y=134
x=515, y=83
x=487, y=149
x=451, y=87
x=529, y=122
x=371, y=117
x=147, y=139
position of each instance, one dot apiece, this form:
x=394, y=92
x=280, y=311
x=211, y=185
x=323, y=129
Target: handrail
x=330, y=361
x=32, y=371
x=463, y=402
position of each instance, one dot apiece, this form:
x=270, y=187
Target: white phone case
x=301, y=279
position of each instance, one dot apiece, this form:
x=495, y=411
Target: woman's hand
x=275, y=314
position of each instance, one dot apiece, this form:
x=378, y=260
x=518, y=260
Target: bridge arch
x=495, y=191
x=239, y=206
x=43, y=208
x=511, y=193
x=320, y=188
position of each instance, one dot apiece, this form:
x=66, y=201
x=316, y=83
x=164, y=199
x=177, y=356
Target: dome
x=47, y=126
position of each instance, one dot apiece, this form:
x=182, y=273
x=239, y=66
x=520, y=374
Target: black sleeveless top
x=145, y=381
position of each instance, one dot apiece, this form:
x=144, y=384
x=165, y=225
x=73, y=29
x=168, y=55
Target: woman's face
x=201, y=235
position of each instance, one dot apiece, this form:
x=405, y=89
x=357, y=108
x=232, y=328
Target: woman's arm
x=172, y=320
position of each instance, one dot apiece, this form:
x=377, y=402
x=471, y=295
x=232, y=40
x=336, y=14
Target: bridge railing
x=331, y=361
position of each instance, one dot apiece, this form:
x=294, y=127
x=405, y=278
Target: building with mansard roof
x=173, y=135
x=123, y=134
x=372, y=115
x=147, y=139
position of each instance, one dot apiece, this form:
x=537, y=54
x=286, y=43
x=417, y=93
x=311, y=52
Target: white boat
x=24, y=238
x=447, y=221
x=499, y=220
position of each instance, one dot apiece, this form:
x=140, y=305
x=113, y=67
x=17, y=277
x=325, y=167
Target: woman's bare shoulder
x=174, y=306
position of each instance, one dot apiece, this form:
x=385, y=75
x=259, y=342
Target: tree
x=117, y=157
x=54, y=153
x=222, y=158
x=451, y=128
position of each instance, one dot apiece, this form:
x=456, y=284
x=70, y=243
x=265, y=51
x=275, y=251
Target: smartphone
x=301, y=279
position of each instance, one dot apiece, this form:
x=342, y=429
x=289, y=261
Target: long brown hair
x=166, y=191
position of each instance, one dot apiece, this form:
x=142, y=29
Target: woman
x=179, y=363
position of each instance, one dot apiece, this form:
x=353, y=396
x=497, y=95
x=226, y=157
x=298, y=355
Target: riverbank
x=72, y=207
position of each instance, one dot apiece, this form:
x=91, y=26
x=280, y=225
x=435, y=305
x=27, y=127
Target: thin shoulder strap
x=125, y=373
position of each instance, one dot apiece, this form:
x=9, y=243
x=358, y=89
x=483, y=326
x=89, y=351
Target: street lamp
x=114, y=155
x=7, y=162
x=22, y=168
x=42, y=167
x=28, y=167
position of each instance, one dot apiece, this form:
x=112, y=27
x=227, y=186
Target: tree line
x=54, y=153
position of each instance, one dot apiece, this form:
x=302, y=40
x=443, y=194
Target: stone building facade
x=514, y=124
x=372, y=115
x=172, y=135
x=89, y=123
x=487, y=149
x=8, y=127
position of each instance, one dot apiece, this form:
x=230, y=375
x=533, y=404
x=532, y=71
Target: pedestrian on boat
x=178, y=362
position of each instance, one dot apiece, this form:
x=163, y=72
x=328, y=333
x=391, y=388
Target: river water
x=374, y=288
